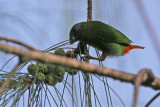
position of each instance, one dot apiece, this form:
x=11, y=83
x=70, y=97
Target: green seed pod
x=60, y=51
x=60, y=73
x=71, y=71
x=43, y=68
x=71, y=54
x=50, y=80
x=40, y=77
x=60, y=70
x=32, y=69
x=51, y=69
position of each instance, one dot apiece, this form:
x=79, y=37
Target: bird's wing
x=109, y=34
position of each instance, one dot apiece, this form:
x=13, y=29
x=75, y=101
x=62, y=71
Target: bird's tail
x=136, y=47
x=129, y=47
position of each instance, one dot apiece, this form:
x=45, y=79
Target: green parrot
x=102, y=37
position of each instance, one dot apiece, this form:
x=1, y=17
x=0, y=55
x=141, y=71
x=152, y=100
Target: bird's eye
x=74, y=29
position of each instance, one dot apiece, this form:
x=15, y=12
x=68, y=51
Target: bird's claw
x=85, y=56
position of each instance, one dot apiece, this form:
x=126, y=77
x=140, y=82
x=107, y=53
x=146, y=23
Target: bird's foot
x=91, y=57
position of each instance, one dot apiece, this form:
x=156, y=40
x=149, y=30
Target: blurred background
x=43, y=23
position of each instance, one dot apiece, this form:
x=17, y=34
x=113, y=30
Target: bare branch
x=6, y=82
x=17, y=42
x=85, y=67
x=149, y=77
x=89, y=17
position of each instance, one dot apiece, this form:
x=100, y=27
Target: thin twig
x=139, y=80
x=17, y=42
x=152, y=99
x=89, y=17
x=85, y=67
x=6, y=82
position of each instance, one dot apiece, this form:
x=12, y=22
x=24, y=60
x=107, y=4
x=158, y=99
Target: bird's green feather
x=104, y=37
x=104, y=32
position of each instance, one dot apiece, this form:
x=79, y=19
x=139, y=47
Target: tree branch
x=17, y=42
x=139, y=80
x=6, y=82
x=85, y=67
x=89, y=17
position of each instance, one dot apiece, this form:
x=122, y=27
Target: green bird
x=102, y=37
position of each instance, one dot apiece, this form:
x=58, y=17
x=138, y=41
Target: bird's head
x=76, y=33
